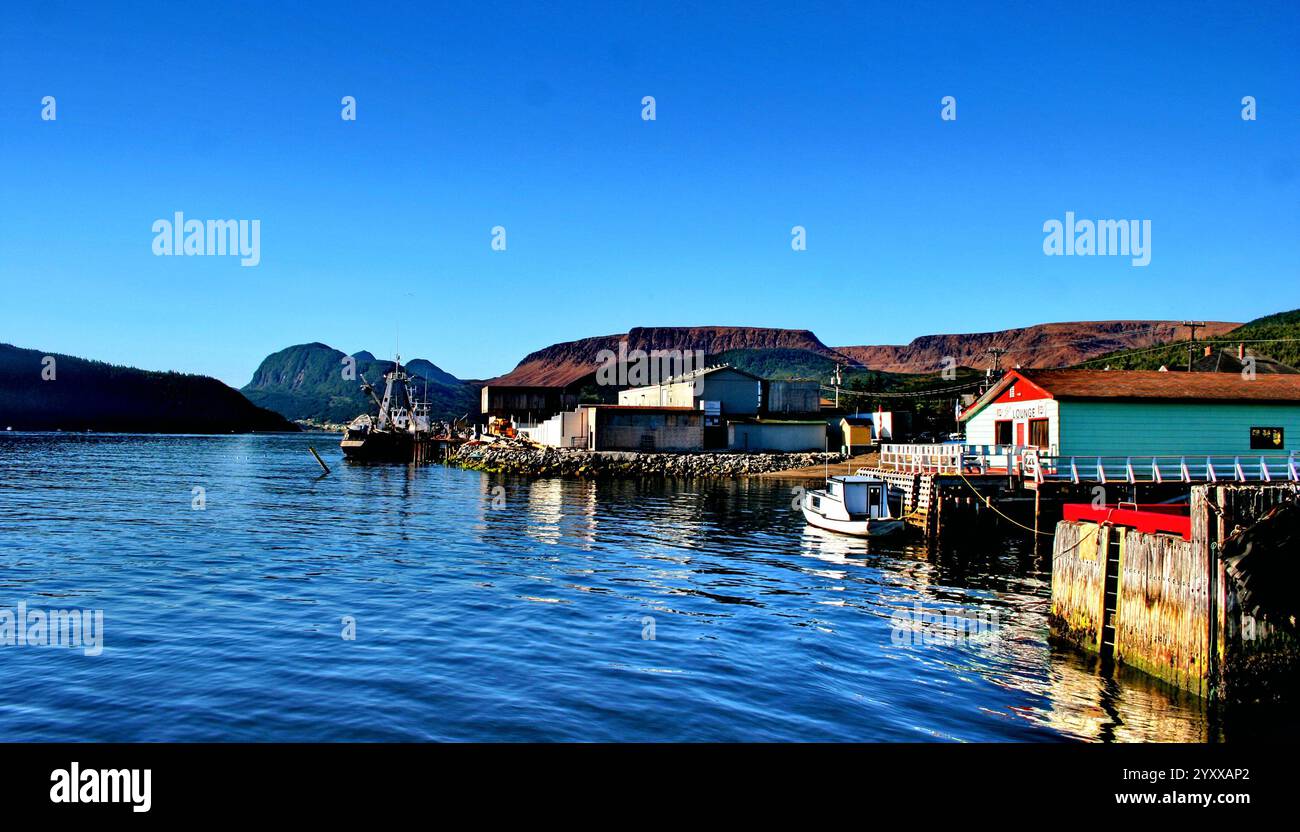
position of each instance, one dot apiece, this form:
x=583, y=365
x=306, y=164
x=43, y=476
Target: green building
x=1127, y=412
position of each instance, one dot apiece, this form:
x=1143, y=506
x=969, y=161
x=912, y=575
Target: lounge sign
x=1266, y=439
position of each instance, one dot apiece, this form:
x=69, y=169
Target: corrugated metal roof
x=654, y=407
x=1149, y=385
x=1175, y=386
x=704, y=371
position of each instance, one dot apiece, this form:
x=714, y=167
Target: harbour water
x=228, y=569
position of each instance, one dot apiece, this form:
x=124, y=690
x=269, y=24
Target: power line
x=911, y=394
x=1174, y=345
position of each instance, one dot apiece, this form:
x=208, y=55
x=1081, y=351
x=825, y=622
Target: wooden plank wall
x=1162, y=618
x=1078, y=582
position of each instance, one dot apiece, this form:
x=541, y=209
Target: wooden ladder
x=1110, y=594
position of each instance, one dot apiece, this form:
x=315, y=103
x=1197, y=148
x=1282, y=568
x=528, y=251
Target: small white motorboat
x=856, y=505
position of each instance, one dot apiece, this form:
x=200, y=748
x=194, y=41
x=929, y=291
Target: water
x=529, y=620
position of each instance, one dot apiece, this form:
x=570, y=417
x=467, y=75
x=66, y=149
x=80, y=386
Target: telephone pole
x=837, y=379
x=995, y=364
x=1191, y=347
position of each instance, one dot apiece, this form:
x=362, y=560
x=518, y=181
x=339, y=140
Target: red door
x=1020, y=434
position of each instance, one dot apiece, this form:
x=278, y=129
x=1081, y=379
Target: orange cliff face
x=566, y=362
x=1043, y=345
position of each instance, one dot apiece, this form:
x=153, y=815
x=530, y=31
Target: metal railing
x=951, y=458
x=1206, y=468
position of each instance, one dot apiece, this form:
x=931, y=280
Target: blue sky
x=768, y=116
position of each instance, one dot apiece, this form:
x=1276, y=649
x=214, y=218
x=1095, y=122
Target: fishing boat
x=390, y=435
x=852, y=504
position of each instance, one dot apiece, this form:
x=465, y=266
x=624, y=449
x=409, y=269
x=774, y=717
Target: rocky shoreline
x=518, y=458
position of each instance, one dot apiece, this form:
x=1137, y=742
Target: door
x=1020, y=434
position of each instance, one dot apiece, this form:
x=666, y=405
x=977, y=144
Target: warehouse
x=1128, y=412
x=783, y=435
x=736, y=392
x=612, y=427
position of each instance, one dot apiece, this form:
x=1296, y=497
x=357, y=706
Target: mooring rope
x=989, y=503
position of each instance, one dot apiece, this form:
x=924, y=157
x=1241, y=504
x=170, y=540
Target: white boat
x=856, y=505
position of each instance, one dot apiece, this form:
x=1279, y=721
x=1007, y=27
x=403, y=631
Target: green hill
x=1276, y=336
x=307, y=382
x=91, y=395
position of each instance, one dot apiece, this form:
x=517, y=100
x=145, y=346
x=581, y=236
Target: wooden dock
x=929, y=499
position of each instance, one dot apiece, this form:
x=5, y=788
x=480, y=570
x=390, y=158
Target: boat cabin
x=861, y=496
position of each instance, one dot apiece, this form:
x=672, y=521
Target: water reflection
x=498, y=607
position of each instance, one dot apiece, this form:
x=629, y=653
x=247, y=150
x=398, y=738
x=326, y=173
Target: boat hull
x=856, y=528
x=379, y=446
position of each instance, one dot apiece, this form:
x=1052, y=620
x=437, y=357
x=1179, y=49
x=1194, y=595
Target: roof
x=1148, y=385
x=656, y=408
x=855, y=478
x=540, y=375
x=858, y=421
x=704, y=371
x=1226, y=361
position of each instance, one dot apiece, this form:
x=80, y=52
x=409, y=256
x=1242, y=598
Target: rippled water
x=491, y=608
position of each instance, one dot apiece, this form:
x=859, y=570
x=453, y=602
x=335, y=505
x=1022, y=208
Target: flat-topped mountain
x=799, y=353
x=568, y=361
x=91, y=395
x=1043, y=345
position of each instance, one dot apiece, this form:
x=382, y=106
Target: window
x=1002, y=433
x=1039, y=434
x=1267, y=439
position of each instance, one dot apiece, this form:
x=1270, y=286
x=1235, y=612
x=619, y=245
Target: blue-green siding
x=1124, y=428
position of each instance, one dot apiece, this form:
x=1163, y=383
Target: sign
x=1266, y=439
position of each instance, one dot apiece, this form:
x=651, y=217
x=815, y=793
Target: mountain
x=92, y=395
x=1275, y=336
x=564, y=363
x=1044, y=345
x=307, y=382
x=798, y=353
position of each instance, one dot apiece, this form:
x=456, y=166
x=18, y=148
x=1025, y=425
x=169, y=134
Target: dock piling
x=318, y=459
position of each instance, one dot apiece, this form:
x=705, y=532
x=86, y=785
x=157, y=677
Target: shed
x=856, y=435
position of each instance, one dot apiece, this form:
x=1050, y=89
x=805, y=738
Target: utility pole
x=1191, y=347
x=995, y=363
x=837, y=379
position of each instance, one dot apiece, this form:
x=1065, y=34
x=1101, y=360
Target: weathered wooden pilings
x=1166, y=605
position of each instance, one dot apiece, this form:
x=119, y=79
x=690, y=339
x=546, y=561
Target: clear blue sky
x=769, y=116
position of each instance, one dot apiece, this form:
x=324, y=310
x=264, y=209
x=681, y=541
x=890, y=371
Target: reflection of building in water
x=581, y=524
x=545, y=509
x=1129, y=708
x=562, y=511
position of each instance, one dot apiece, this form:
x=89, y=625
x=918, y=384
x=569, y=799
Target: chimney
x=1207, y=350
x=1241, y=352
